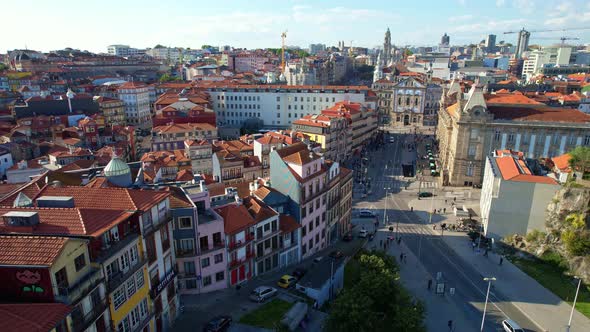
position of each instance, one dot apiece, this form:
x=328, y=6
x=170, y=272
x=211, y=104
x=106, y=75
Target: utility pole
x=569, y=323
x=483, y=319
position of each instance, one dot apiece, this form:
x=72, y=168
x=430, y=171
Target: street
x=433, y=254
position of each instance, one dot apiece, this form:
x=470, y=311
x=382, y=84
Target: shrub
x=535, y=236
x=576, y=243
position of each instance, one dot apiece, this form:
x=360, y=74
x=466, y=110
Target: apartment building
x=172, y=136
x=273, y=141
x=363, y=121
x=300, y=174
x=200, y=153
x=267, y=235
x=332, y=132
x=136, y=97
x=113, y=111
x=277, y=106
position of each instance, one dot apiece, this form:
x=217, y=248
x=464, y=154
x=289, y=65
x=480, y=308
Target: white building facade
x=136, y=97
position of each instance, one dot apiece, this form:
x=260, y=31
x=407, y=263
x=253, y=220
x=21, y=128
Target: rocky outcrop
x=566, y=201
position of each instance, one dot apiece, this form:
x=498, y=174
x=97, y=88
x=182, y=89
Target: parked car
x=336, y=254
x=347, y=237
x=363, y=233
x=510, y=326
x=299, y=272
x=287, y=281
x=425, y=194
x=262, y=293
x=366, y=214
x=318, y=259
x=217, y=324
x=391, y=140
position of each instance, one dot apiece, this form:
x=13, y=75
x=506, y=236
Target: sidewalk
x=536, y=302
x=439, y=309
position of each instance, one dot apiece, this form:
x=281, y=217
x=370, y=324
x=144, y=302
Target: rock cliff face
x=567, y=201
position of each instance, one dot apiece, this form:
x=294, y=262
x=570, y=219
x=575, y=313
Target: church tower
x=387, y=47
x=377, y=74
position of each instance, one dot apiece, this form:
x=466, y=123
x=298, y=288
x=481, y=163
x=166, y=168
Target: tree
x=203, y=47
x=168, y=78
x=580, y=158
x=376, y=301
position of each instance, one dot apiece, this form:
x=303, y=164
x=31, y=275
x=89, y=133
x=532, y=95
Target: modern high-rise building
x=387, y=48
x=523, y=43
x=445, y=39
x=491, y=43
x=316, y=48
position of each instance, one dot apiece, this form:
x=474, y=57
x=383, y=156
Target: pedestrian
x=501, y=260
x=485, y=254
x=450, y=325
x=454, y=199
x=380, y=243
x=405, y=258
x=473, y=246
x=434, y=227
x=429, y=283
x=445, y=210
x=445, y=201
x=411, y=209
x=401, y=257
x=399, y=240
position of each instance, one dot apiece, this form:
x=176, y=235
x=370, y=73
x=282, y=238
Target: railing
x=116, y=246
x=185, y=253
x=81, y=288
x=117, y=278
x=237, y=244
x=82, y=323
x=144, y=322
x=216, y=246
x=236, y=262
x=149, y=228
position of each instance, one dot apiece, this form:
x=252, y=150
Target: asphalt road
x=434, y=254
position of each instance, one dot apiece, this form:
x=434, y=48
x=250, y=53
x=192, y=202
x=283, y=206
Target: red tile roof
x=513, y=169
x=287, y=224
x=235, y=218
x=183, y=127
x=67, y=221
x=516, y=98
x=562, y=162
x=30, y=250
x=32, y=317
x=539, y=114
x=258, y=209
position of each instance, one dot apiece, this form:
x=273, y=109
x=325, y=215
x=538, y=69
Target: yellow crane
x=283, y=37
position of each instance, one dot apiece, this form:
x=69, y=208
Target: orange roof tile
x=235, y=218
x=30, y=250
x=542, y=114
x=512, y=170
x=515, y=98
x=258, y=209
x=32, y=317
x=453, y=109
x=288, y=224
x=562, y=162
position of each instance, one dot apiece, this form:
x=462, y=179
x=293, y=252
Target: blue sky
x=94, y=24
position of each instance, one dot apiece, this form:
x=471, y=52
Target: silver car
x=262, y=293
x=510, y=326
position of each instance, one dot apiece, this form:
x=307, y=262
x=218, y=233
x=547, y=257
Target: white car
x=510, y=326
x=262, y=293
x=363, y=233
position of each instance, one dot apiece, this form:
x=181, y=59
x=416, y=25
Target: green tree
x=206, y=46
x=580, y=158
x=577, y=243
x=376, y=302
x=3, y=66
x=168, y=78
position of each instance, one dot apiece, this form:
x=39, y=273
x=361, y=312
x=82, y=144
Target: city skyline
x=255, y=25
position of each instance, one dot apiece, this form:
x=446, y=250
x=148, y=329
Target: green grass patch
x=549, y=271
x=268, y=315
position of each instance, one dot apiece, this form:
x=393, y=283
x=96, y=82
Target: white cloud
x=461, y=18
x=489, y=26
x=566, y=14
x=500, y=3
x=525, y=6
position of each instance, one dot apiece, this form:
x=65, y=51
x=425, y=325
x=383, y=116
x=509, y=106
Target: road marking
x=451, y=262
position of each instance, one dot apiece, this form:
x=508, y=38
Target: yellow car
x=287, y=281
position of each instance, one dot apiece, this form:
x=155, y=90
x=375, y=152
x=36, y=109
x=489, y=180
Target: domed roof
x=116, y=167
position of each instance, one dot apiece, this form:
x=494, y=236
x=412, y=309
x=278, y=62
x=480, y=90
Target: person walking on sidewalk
x=429, y=283
x=450, y=324
x=401, y=257
x=501, y=260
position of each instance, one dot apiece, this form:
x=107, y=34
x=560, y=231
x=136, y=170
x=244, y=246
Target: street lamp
x=483, y=319
x=385, y=210
x=569, y=323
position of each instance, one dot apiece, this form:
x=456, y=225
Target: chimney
x=238, y=200
x=255, y=185
x=202, y=186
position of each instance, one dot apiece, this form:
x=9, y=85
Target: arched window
x=408, y=101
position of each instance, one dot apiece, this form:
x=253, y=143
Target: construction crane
x=283, y=37
x=563, y=39
x=550, y=30
x=524, y=35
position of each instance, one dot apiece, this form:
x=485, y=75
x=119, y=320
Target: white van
x=363, y=233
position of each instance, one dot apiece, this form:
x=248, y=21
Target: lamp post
x=483, y=319
x=569, y=323
x=385, y=210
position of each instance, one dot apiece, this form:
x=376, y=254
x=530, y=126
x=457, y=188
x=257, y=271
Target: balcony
x=117, y=278
x=215, y=246
x=151, y=227
x=80, y=324
x=180, y=253
x=237, y=262
x=237, y=244
x=144, y=322
x=81, y=288
x=114, y=247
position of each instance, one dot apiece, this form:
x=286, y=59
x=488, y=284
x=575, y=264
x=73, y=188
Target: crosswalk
x=410, y=230
x=428, y=185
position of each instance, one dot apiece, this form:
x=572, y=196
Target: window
x=469, y=171
x=586, y=140
x=317, y=221
x=497, y=135
x=205, y=262
x=219, y=276
x=139, y=280
x=80, y=262
x=218, y=258
x=61, y=279
x=303, y=231
x=185, y=222
x=472, y=150
x=130, y=287
x=278, y=98
x=304, y=249
x=191, y=284
x=207, y=281
x=474, y=133
x=310, y=243
x=119, y=297
x=511, y=137
x=189, y=268
x=317, y=238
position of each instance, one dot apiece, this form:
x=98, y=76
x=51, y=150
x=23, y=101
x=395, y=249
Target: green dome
x=116, y=167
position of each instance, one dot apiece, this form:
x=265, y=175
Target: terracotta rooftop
x=30, y=250
x=539, y=114
x=183, y=127
x=515, y=98
x=235, y=218
x=287, y=224
x=258, y=209
x=514, y=169
x=67, y=221
x=32, y=317
x=562, y=162
x=453, y=110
